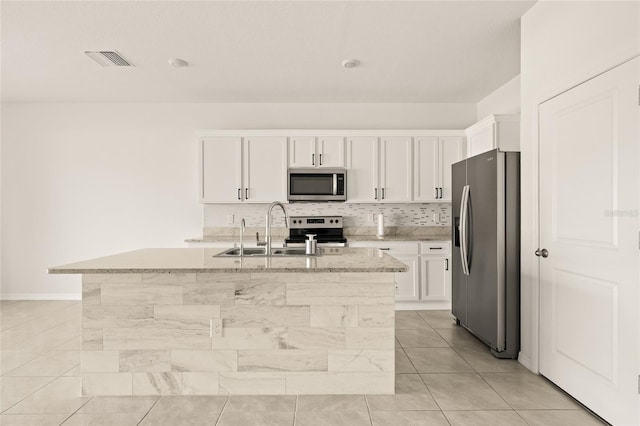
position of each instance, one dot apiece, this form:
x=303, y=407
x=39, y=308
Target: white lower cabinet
x=427, y=284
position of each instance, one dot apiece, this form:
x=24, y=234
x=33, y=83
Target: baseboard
x=40, y=296
x=525, y=360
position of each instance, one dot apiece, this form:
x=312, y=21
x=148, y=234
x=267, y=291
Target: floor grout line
x=149, y=410
x=222, y=411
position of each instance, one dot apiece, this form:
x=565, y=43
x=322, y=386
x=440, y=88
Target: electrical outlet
x=215, y=327
x=370, y=217
x=230, y=219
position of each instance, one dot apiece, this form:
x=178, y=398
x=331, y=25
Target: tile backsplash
x=215, y=215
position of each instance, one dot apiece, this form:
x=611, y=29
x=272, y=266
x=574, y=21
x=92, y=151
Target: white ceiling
x=433, y=51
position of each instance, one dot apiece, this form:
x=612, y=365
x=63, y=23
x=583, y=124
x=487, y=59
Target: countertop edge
x=54, y=271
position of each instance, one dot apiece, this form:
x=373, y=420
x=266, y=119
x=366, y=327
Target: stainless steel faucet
x=243, y=226
x=267, y=249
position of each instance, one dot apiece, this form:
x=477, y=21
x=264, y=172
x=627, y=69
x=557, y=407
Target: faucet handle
x=258, y=242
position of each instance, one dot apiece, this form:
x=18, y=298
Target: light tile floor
x=444, y=376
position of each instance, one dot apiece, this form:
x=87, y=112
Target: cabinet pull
x=385, y=248
x=246, y=193
x=435, y=248
x=321, y=159
x=440, y=189
x=383, y=193
x=446, y=264
x=375, y=193
x=239, y=193
x=313, y=159
x=436, y=192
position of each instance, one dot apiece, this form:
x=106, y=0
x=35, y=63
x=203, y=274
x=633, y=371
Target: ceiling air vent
x=108, y=58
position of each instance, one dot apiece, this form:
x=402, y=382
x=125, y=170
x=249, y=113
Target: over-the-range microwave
x=310, y=184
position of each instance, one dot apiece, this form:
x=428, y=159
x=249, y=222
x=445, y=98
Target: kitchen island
x=185, y=322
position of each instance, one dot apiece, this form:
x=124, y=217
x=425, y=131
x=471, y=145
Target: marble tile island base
x=245, y=332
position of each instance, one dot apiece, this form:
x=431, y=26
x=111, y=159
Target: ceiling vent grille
x=108, y=58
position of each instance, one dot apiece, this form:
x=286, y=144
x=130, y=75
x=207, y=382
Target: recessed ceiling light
x=350, y=63
x=178, y=63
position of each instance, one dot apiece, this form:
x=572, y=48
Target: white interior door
x=396, y=169
x=589, y=161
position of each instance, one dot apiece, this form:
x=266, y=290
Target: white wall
x=86, y=180
x=504, y=100
x=563, y=44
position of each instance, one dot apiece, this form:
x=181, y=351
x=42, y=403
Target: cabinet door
x=436, y=281
x=221, y=169
x=302, y=151
x=265, y=169
x=426, y=169
x=330, y=151
x=362, y=176
x=450, y=152
x=407, y=283
x=396, y=169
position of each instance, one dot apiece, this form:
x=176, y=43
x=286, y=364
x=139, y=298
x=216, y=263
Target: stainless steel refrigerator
x=485, y=285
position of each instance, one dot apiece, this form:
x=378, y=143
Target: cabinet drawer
x=436, y=248
x=391, y=247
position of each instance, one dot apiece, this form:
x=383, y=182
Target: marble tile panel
x=528, y=391
x=333, y=418
x=230, y=277
x=321, y=277
x=334, y=315
x=185, y=410
x=145, y=361
x=402, y=402
x=437, y=360
x=185, y=316
x=199, y=383
x=253, y=383
x=365, y=277
x=62, y=395
x=370, y=338
x=106, y=384
x=52, y=363
x=380, y=316
x=91, y=339
x=90, y=294
x=175, y=278
x=486, y=418
x=157, y=383
x=408, y=418
x=338, y=294
x=15, y=389
x=361, y=360
x=340, y=383
x=257, y=293
x=112, y=316
x=251, y=418
x=222, y=293
x=282, y=360
x=259, y=403
x=100, y=362
x=251, y=338
x=204, y=361
x=316, y=338
x=112, y=278
x=155, y=339
x=143, y=294
x=264, y=316
x=32, y=419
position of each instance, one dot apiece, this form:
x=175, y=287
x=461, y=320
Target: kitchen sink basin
x=259, y=251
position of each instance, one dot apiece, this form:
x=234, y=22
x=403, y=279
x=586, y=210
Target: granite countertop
x=200, y=260
x=235, y=239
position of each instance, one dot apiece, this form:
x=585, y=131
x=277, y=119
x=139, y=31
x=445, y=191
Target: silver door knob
x=542, y=253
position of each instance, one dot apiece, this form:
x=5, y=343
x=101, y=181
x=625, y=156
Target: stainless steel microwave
x=317, y=184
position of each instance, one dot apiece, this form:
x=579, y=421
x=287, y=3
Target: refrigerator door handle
x=464, y=209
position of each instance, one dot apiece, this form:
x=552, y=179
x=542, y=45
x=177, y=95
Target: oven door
x=315, y=185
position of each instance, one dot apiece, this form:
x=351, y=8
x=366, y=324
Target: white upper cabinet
x=395, y=170
x=311, y=151
x=236, y=169
x=362, y=173
x=495, y=131
x=432, y=164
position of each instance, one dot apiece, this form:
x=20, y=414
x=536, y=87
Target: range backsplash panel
x=215, y=215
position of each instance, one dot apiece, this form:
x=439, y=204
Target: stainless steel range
x=327, y=229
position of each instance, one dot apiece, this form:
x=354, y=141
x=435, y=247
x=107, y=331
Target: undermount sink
x=259, y=251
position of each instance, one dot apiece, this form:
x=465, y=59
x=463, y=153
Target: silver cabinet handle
x=313, y=159
x=246, y=193
x=383, y=193
x=239, y=193
x=375, y=193
x=542, y=253
x=321, y=159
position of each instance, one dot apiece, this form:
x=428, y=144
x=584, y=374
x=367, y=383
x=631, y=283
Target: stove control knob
x=331, y=221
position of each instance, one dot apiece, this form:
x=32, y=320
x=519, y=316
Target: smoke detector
x=350, y=63
x=108, y=58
